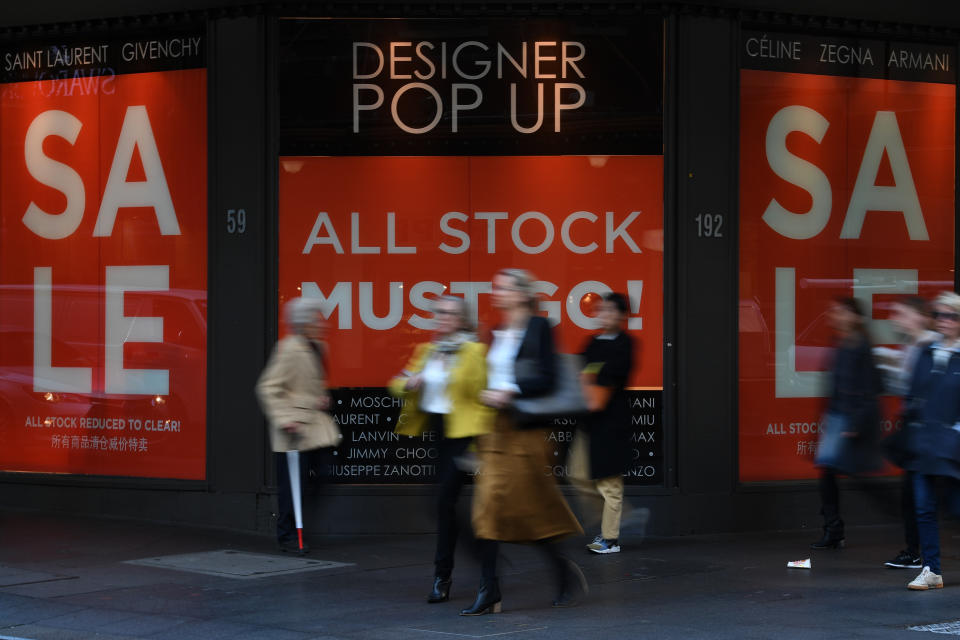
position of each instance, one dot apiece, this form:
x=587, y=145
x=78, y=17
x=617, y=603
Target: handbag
x=831, y=450
x=566, y=398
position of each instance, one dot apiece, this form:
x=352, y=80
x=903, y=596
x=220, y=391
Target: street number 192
x=709, y=225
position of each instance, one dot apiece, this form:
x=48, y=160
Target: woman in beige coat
x=293, y=394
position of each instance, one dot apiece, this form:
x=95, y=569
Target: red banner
x=846, y=189
x=103, y=280
x=377, y=238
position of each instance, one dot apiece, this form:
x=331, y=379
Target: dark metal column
x=706, y=159
x=240, y=322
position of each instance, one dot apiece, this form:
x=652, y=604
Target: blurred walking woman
x=441, y=384
x=514, y=499
x=933, y=421
x=850, y=441
x=293, y=394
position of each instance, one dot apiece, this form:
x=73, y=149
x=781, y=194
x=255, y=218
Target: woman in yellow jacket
x=441, y=385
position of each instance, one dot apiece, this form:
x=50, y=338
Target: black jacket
x=536, y=366
x=610, y=428
x=933, y=410
x=854, y=394
x=855, y=386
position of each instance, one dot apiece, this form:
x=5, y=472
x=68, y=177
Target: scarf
x=451, y=344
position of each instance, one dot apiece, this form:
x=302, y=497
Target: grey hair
x=463, y=310
x=949, y=299
x=523, y=280
x=299, y=312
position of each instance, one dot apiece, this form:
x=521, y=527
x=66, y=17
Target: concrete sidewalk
x=65, y=577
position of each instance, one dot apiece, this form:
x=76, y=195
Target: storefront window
x=419, y=157
x=103, y=244
x=846, y=190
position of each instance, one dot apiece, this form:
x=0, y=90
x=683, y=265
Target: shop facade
x=168, y=180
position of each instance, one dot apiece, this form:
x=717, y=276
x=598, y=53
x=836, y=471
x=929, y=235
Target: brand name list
x=70, y=56
x=875, y=55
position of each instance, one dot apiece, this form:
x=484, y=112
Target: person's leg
x=551, y=551
x=612, y=491
x=315, y=468
x=488, y=597
x=925, y=497
x=910, y=535
x=569, y=581
x=830, y=508
x=451, y=480
x=286, y=526
x=488, y=558
x=588, y=498
x=829, y=497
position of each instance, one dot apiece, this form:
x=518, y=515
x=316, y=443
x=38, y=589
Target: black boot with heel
x=488, y=599
x=441, y=590
x=572, y=587
x=833, y=537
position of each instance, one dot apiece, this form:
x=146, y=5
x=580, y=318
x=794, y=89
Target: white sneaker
x=604, y=546
x=926, y=580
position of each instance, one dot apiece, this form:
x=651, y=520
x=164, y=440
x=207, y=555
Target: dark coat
x=609, y=428
x=855, y=388
x=932, y=410
x=536, y=366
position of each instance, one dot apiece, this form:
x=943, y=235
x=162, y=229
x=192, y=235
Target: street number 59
x=236, y=221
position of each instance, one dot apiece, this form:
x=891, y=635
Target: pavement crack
x=55, y=579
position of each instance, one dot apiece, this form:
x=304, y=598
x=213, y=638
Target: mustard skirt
x=516, y=498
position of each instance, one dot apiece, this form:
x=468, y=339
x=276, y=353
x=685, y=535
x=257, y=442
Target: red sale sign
x=378, y=238
x=846, y=189
x=103, y=280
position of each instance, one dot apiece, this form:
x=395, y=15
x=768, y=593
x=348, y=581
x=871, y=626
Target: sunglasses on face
x=946, y=315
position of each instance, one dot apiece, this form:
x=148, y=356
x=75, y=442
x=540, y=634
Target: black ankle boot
x=573, y=585
x=832, y=536
x=441, y=590
x=488, y=599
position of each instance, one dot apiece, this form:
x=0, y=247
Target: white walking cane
x=293, y=468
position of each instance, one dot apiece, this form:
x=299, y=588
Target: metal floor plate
x=241, y=565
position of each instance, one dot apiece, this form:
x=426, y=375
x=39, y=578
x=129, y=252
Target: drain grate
x=948, y=628
x=241, y=565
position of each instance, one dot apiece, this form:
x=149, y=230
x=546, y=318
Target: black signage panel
x=849, y=57
x=73, y=58
x=471, y=87
x=371, y=453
